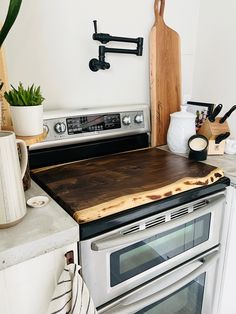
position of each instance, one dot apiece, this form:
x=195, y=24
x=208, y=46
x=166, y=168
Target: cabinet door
x=228, y=304
x=27, y=288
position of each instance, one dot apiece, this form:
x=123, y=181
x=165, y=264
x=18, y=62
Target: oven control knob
x=45, y=128
x=126, y=120
x=60, y=127
x=138, y=118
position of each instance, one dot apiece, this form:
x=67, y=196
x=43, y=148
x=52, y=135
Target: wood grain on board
x=165, y=75
x=98, y=187
x=5, y=112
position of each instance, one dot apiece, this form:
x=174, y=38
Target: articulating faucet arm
x=97, y=64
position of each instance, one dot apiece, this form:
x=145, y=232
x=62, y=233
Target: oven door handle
x=118, y=239
x=125, y=307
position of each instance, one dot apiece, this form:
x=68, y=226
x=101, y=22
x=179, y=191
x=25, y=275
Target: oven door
x=121, y=260
x=190, y=289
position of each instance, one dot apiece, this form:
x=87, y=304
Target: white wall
x=215, y=65
x=50, y=44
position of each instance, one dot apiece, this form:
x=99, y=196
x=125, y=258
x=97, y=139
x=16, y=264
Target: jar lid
x=183, y=113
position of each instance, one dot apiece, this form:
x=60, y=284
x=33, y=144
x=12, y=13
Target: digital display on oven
x=92, y=123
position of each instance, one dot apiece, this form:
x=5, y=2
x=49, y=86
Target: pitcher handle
x=24, y=159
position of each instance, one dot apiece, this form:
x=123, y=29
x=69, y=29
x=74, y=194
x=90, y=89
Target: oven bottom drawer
x=182, y=291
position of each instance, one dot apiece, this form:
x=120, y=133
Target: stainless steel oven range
x=160, y=257
x=178, y=247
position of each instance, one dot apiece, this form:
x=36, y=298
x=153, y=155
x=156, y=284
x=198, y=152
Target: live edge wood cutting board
x=165, y=75
x=95, y=188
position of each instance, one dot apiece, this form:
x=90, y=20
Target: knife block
x=211, y=130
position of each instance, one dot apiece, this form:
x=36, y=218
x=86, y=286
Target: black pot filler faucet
x=100, y=63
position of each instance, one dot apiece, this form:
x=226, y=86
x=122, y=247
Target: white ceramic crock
x=181, y=128
x=27, y=120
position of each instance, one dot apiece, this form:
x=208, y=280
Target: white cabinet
x=228, y=289
x=27, y=288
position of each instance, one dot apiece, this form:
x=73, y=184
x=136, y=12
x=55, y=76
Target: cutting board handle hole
x=159, y=8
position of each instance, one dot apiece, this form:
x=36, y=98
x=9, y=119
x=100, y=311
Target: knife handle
x=222, y=137
x=216, y=111
x=228, y=113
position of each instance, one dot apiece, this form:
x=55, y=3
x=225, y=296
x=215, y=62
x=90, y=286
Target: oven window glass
x=187, y=300
x=135, y=259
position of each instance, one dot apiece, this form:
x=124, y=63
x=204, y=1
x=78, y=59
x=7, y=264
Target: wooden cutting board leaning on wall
x=5, y=116
x=165, y=75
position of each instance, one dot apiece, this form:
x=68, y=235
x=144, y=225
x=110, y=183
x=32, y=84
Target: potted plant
x=26, y=109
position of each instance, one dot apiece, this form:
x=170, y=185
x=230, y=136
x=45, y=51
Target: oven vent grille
x=156, y=221
x=164, y=218
x=200, y=204
x=131, y=230
x=179, y=213
x=148, y=224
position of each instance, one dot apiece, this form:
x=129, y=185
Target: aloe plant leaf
x=23, y=99
x=31, y=90
x=15, y=99
x=13, y=10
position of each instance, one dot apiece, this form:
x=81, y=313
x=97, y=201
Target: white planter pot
x=28, y=120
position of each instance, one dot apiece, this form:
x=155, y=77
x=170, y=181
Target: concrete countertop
x=225, y=162
x=42, y=230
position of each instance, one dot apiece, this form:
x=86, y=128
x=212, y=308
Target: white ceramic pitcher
x=12, y=198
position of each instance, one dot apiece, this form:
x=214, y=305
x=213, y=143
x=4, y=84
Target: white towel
x=71, y=295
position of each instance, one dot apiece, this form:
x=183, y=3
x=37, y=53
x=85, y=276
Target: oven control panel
x=93, y=123
x=68, y=126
